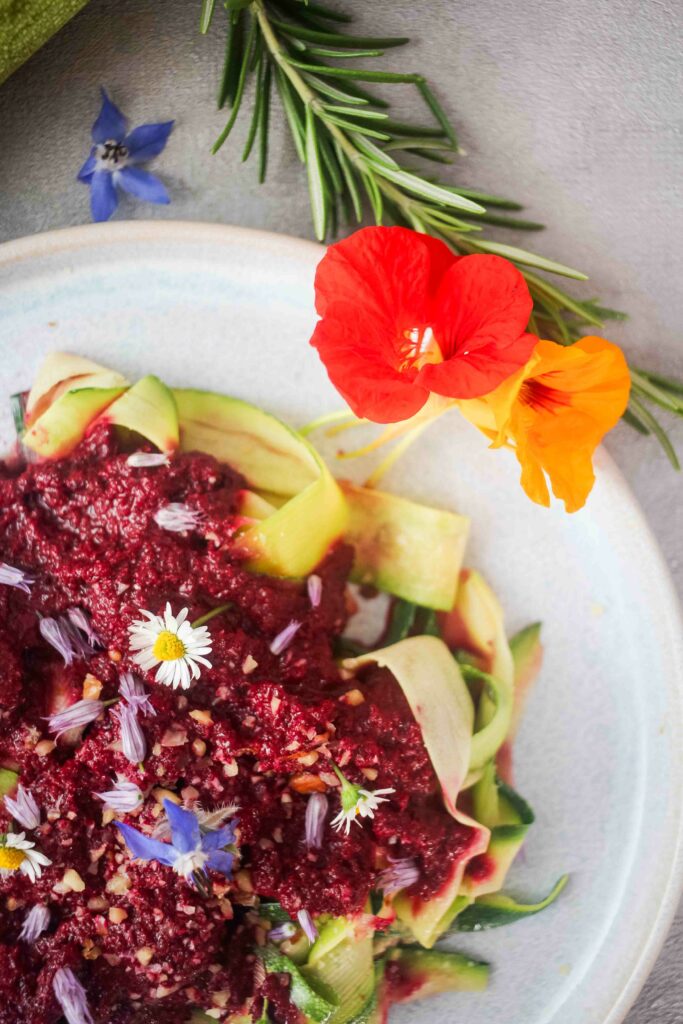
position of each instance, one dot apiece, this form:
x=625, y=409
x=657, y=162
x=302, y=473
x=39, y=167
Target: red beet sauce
x=257, y=730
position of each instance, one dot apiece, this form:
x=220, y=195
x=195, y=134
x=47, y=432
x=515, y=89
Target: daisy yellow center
x=167, y=647
x=10, y=858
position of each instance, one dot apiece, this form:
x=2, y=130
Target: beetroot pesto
x=164, y=796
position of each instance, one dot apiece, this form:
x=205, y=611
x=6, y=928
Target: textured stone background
x=574, y=109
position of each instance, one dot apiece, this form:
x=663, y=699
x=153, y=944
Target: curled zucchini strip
x=488, y=740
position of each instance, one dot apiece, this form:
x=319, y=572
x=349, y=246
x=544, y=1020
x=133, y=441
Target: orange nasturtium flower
x=554, y=412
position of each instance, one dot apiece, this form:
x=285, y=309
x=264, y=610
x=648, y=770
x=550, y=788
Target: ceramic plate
x=599, y=755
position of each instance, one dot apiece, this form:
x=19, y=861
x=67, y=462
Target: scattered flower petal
x=307, y=926
x=71, y=996
x=315, y=590
x=284, y=639
x=76, y=716
x=12, y=577
x=24, y=808
x=400, y=874
x=81, y=621
x=177, y=518
x=282, y=932
x=66, y=639
x=134, y=693
x=35, y=923
x=170, y=642
x=133, y=739
x=124, y=796
x=316, y=813
x=17, y=853
x=147, y=460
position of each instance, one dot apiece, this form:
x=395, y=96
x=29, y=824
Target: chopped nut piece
x=249, y=664
x=243, y=880
x=117, y=915
x=370, y=773
x=353, y=698
x=44, y=748
x=144, y=955
x=174, y=737
x=114, y=655
x=73, y=881
x=307, y=784
x=97, y=903
x=118, y=883
x=220, y=998
x=160, y=795
x=202, y=716
x=92, y=687
x=231, y=768
x=91, y=951
x=198, y=747
x=306, y=758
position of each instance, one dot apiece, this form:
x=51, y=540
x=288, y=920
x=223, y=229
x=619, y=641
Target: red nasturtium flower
x=402, y=316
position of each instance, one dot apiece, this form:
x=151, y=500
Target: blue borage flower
x=191, y=853
x=114, y=157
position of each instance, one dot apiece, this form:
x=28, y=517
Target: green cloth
x=26, y=24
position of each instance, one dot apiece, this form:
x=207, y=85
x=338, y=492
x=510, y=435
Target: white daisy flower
x=17, y=853
x=356, y=802
x=172, y=643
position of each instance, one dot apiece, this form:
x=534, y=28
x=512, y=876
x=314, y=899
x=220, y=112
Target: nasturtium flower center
x=541, y=396
x=11, y=859
x=167, y=647
x=417, y=348
x=111, y=155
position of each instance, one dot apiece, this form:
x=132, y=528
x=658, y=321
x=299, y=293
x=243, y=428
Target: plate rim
x=89, y=236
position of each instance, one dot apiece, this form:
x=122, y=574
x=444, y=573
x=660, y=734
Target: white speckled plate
x=599, y=756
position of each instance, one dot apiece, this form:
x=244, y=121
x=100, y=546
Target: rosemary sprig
x=358, y=160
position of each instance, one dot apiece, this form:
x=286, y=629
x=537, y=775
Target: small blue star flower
x=191, y=852
x=114, y=157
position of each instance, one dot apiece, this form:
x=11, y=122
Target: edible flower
x=285, y=637
x=315, y=590
x=81, y=621
x=402, y=317
x=177, y=517
x=12, y=577
x=316, y=813
x=76, y=716
x=282, y=932
x=170, y=642
x=35, y=923
x=555, y=411
x=71, y=996
x=17, y=853
x=356, y=802
x=133, y=742
x=306, y=922
x=190, y=853
x=113, y=159
x=66, y=638
x=135, y=694
x=144, y=460
x=123, y=797
x=401, y=874
x=209, y=821
x=24, y=808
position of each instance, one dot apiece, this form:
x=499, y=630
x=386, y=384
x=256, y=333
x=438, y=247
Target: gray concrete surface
x=574, y=109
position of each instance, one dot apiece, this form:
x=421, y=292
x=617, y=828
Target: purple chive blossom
x=80, y=621
x=24, y=809
x=12, y=577
x=284, y=639
x=316, y=813
x=190, y=853
x=76, y=716
x=35, y=923
x=123, y=798
x=400, y=874
x=71, y=996
x=134, y=693
x=133, y=739
x=177, y=518
x=282, y=932
x=61, y=634
x=307, y=926
x=113, y=159
x=148, y=460
x=315, y=590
